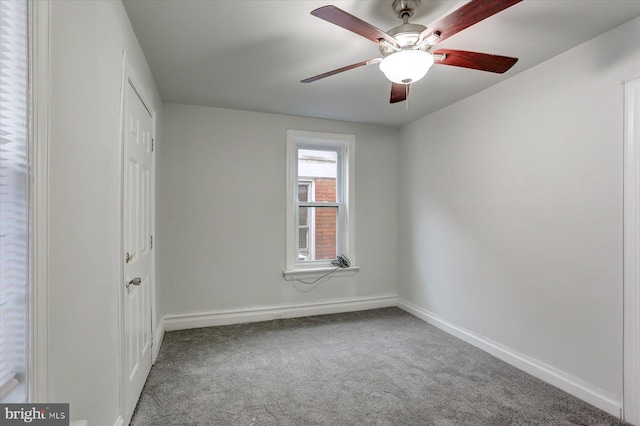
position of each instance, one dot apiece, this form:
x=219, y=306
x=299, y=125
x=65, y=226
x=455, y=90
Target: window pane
x=303, y=250
x=14, y=197
x=303, y=192
x=303, y=217
x=318, y=240
x=322, y=167
x=325, y=232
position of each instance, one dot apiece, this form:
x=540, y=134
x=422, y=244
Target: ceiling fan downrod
x=405, y=9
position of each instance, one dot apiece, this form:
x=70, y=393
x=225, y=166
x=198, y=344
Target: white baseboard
x=158, y=335
x=572, y=385
x=119, y=421
x=237, y=316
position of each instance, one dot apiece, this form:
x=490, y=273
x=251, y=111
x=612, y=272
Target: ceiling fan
x=408, y=49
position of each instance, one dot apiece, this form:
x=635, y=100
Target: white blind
x=14, y=198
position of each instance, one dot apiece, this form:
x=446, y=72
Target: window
x=306, y=223
x=14, y=200
x=319, y=200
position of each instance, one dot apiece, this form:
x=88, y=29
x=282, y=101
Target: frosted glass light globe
x=406, y=66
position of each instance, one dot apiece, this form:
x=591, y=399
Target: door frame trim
x=129, y=77
x=631, y=258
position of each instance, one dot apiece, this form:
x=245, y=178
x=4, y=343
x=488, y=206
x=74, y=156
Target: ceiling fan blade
x=349, y=22
x=474, y=60
x=339, y=70
x=469, y=14
x=399, y=92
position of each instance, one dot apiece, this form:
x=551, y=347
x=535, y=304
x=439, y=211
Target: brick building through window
x=325, y=220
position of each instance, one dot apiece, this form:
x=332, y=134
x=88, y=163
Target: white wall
x=511, y=210
x=87, y=40
x=221, y=211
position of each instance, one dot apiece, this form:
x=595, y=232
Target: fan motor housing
x=406, y=35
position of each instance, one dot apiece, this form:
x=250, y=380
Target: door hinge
x=151, y=144
x=152, y=241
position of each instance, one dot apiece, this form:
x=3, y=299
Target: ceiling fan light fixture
x=406, y=66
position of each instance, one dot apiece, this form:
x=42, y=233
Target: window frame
x=344, y=144
x=310, y=183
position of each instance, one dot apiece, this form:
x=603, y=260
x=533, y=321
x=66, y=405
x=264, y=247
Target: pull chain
x=406, y=97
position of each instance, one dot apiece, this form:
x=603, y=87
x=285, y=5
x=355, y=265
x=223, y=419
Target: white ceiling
x=251, y=54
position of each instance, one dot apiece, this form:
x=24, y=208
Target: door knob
x=135, y=281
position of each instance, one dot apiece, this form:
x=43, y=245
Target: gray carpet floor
x=377, y=367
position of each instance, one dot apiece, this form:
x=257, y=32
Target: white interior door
x=138, y=158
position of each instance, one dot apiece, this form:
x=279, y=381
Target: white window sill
x=295, y=274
